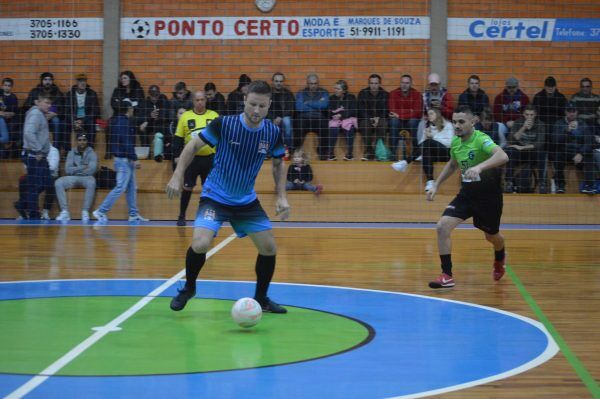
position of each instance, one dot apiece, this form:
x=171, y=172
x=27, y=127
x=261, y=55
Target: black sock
x=499, y=255
x=185, y=201
x=193, y=264
x=265, y=268
x=446, y=264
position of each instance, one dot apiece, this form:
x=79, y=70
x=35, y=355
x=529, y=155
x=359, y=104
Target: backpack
x=106, y=178
x=382, y=153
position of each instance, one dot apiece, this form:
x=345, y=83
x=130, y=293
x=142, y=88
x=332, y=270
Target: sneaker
x=332, y=158
x=588, y=189
x=319, y=190
x=419, y=158
x=85, y=216
x=443, y=281
x=509, y=187
x=45, y=215
x=499, y=269
x=268, y=306
x=543, y=188
x=181, y=221
x=179, y=301
x=20, y=210
x=400, y=166
x=100, y=216
x=429, y=185
x=138, y=218
x=560, y=189
x=63, y=216
x=348, y=158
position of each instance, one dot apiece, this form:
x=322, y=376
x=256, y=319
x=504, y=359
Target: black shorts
x=200, y=166
x=486, y=210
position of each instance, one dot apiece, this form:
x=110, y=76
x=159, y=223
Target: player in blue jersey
x=242, y=142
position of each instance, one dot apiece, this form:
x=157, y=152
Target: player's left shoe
x=499, y=269
x=268, y=306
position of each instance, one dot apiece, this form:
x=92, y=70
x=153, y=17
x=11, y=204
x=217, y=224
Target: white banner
x=51, y=29
x=273, y=28
x=517, y=29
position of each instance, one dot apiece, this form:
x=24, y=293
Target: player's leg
x=189, y=181
x=486, y=217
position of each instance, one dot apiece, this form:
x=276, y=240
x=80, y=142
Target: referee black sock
x=499, y=255
x=185, y=201
x=193, y=264
x=265, y=268
x=446, y=264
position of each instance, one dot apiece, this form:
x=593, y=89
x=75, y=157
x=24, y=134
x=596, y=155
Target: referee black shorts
x=200, y=166
x=486, y=210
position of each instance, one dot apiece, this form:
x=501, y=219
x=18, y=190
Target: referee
x=190, y=123
x=480, y=196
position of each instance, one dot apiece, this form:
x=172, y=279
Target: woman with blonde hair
x=435, y=135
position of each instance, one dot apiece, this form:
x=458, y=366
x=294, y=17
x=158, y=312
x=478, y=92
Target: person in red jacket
x=406, y=111
x=509, y=105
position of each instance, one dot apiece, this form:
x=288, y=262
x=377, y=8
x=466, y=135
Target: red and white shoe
x=443, y=281
x=499, y=269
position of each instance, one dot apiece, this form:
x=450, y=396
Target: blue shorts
x=244, y=219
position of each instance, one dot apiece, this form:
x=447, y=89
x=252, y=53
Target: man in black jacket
x=282, y=109
x=372, y=115
x=82, y=109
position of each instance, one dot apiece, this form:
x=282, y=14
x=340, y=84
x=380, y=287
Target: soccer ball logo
x=140, y=29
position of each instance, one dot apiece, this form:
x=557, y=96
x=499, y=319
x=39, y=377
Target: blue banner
x=576, y=30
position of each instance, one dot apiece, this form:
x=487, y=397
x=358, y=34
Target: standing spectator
x=549, y=103
x=526, y=144
x=153, y=115
x=55, y=113
x=9, y=111
x=282, y=109
x=128, y=89
x=182, y=98
x=36, y=146
x=312, y=104
x=436, y=96
x=215, y=101
x=435, y=135
x=82, y=109
x=188, y=127
x=342, y=108
x=473, y=96
x=80, y=167
x=300, y=174
x=406, y=111
x=126, y=162
x=235, y=99
x=585, y=100
x=372, y=115
x=508, y=105
x=572, y=140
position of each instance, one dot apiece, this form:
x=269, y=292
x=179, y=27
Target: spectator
x=549, y=103
x=282, y=109
x=496, y=130
x=129, y=89
x=436, y=96
x=215, y=101
x=406, y=111
x=153, y=115
x=9, y=117
x=572, y=140
x=55, y=113
x=508, y=105
x=126, y=162
x=372, y=115
x=235, y=99
x=312, y=104
x=526, y=144
x=342, y=109
x=435, y=135
x=80, y=167
x=182, y=98
x=163, y=143
x=473, y=96
x=82, y=109
x=595, y=126
x=586, y=101
x=300, y=174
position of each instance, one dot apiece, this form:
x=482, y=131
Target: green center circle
x=156, y=340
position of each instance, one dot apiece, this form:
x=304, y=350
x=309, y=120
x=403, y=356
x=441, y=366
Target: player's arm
x=448, y=170
x=498, y=158
x=282, y=207
x=187, y=155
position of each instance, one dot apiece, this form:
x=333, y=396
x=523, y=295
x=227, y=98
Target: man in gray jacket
x=80, y=168
x=36, y=146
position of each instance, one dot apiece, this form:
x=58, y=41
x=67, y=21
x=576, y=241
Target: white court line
x=101, y=332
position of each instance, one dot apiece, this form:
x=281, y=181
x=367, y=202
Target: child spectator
x=300, y=175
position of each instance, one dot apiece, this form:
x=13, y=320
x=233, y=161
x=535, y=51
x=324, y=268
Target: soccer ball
x=246, y=312
x=140, y=29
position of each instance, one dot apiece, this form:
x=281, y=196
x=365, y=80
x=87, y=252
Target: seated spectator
x=235, y=99
x=572, y=141
x=312, y=104
x=163, y=143
x=585, y=100
x=406, y=111
x=214, y=100
x=508, y=105
x=342, y=108
x=595, y=130
x=372, y=115
x=282, y=109
x=526, y=144
x=82, y=109
x=153, y=116
x=435, y=135
x=436, y=96
x=473, y=96
x=182, y=98
x=9, y=119
x=80, y=167
x=300, y=174
x=496, y=130
x=549, y=103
